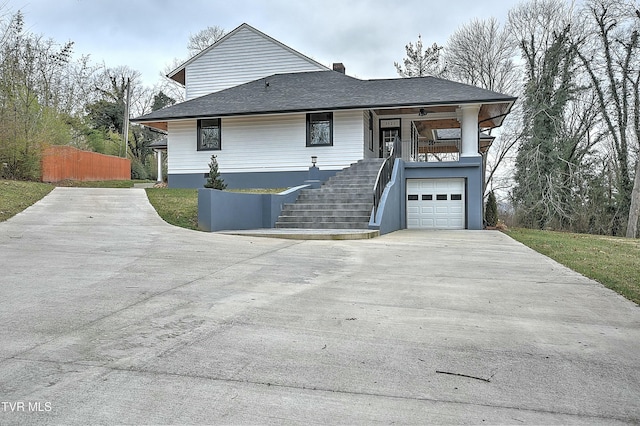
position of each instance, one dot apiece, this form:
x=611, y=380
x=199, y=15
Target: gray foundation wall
x=222, y=210
x=251, y=180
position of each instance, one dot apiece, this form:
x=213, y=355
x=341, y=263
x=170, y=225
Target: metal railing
x=385, y=172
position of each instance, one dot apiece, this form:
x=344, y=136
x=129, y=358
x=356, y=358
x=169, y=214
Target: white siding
x=243, y=57
x=267, y=144
x=182, y=149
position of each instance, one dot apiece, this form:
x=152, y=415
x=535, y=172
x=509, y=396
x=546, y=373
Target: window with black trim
x=320, y=129
x=209, y=135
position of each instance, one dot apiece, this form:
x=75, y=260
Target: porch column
x=159, y=158
x=469, y=127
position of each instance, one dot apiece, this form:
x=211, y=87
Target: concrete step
x=355, y=178
x=371, y=173
x=368, y=186
x=342, y=197
x=364, y=166
x=325, y=213
x=344, y=188
x=327, y=206
x=319, y=219
x=340, y=189
x=323, y=225
x=344, y=201
x=369, y=163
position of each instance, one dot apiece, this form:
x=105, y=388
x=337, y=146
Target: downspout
x=484, y=184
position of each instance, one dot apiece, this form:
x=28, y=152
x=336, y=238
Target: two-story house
x=265, y=110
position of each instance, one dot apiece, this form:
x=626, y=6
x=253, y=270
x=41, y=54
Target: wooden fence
x=65, y=162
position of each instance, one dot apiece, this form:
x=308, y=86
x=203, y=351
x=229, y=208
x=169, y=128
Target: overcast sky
x=366, y=35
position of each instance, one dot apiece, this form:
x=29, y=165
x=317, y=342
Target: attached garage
x=436, y=203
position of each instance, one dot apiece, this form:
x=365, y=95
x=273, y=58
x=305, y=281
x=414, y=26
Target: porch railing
x=385, y=172
x=410, y=150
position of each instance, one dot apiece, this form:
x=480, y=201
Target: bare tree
x=204, y=38
x=481, y=53
x=611, y=59
x=196, y=44
x=422, y=62
x=534, y=24
x=498, y=160
x=168, y=86
x=111, y=85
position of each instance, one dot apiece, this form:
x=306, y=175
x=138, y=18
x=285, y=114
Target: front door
x=387, y=137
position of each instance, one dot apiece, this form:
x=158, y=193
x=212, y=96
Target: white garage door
x=435, y=204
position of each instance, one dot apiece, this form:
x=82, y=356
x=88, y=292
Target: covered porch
x=433, y=173
x=438, y=133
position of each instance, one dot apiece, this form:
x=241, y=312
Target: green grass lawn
x=612, y=261
x=16, y=196
x=178, y=207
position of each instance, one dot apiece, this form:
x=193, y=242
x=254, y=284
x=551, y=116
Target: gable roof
x=329, y=90
x=178, y=74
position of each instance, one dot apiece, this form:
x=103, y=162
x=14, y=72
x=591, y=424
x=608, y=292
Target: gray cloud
x=366, y=35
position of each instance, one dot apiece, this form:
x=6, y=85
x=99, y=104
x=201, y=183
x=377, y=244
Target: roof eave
x=325, y=108
x=498, y=119
x=156, y=124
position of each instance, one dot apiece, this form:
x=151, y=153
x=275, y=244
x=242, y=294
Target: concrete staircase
x=343, y=202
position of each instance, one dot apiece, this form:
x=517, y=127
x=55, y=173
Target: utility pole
x=125, y=127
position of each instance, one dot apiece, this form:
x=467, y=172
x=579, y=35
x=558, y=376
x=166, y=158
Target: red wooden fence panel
x=65, y=162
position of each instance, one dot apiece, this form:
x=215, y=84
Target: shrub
x=138, y=170
x=214, y=181
x=491, y=210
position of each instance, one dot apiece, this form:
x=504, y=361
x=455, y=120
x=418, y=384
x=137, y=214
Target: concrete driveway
x=109, y=315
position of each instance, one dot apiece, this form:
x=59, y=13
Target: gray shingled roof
x=324, y=90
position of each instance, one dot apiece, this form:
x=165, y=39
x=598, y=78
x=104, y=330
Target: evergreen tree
x=542, y=190
x=161, y=100
x=491, y=210
x=214, y=181
x=422, y=62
